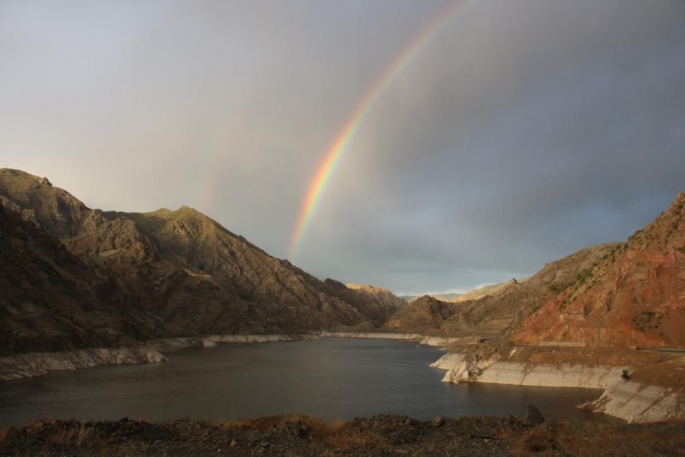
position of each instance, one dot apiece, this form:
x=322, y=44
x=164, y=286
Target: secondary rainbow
x=338, y=148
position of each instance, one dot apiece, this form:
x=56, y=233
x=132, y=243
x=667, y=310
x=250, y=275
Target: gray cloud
x=522, y=132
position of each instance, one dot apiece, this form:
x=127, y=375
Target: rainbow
x=338, y=148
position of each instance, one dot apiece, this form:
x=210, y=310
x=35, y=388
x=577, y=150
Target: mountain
x=510, y=304
x=634, y=296
x=382, y=295
x=456, y=297
x=614, y=295
x=452, y=296
x=425, y=315
x=180, y=273
x=480, y=292
x=51, y=301
x=503, y=308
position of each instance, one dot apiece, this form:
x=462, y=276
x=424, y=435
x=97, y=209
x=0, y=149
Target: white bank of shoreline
x=628, y=400
x=32, y=364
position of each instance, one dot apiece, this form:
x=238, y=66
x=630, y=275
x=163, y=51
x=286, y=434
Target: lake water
x=327, y=378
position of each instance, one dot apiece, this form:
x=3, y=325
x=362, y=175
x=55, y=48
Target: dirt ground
x=383, y=435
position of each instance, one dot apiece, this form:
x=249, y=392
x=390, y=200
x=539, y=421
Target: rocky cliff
x=52, y=301
x=633, y=296
x=159, y=274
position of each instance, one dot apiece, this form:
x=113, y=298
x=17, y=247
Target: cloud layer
x=523, y=131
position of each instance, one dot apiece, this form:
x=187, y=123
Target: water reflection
x=330, y=378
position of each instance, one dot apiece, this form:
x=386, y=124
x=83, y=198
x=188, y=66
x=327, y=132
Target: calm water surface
x=328, y=378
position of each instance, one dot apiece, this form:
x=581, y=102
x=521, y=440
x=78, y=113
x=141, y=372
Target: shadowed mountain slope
x=51, y=301
x=186, y=269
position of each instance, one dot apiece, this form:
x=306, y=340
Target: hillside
x=618, y=295
x=425, y=315
x=480, y=292
x=194, y=276
x=52, y=301
x=503, y=308
x=452, y=296
x=382, y=295
x=634, y=296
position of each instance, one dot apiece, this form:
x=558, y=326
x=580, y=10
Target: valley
x=84, y=287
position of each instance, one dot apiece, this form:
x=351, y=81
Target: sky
x=516, y=134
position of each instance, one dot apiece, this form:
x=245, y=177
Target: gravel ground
x=383, y=435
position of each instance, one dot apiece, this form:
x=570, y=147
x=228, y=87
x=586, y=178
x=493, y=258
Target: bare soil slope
x=634, y=296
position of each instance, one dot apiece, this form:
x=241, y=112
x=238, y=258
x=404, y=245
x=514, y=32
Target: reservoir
x=327, y=378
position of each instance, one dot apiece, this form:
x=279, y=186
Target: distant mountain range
x=459, y=297
x=443, y=297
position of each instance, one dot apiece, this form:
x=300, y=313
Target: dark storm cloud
x=553, y=132
x=523, y=131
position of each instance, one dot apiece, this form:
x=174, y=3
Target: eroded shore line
x=630, y=393
x=630, y=400
x=32, y=364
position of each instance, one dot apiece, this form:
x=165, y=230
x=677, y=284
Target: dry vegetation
x=383, y=435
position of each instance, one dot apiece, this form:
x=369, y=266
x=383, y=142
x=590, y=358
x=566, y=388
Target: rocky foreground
x=383, y=435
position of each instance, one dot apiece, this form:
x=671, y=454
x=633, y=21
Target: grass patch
x=71, y=436
x=647, y=320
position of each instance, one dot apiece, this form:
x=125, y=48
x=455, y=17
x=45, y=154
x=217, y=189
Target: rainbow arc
x=337, y=149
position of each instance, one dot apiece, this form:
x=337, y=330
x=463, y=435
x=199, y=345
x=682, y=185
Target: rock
x=300, y=431
x=541, y=438
x=533, y=416
x=39, y=363
x=134, y=277
x=234, y=443
x=439, y=421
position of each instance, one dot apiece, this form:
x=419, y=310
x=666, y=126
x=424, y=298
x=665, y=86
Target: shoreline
x=628, y=394
x=33, y=364
x=629, y=400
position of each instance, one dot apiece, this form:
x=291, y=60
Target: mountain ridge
x=186, y=269
x=633, y=297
